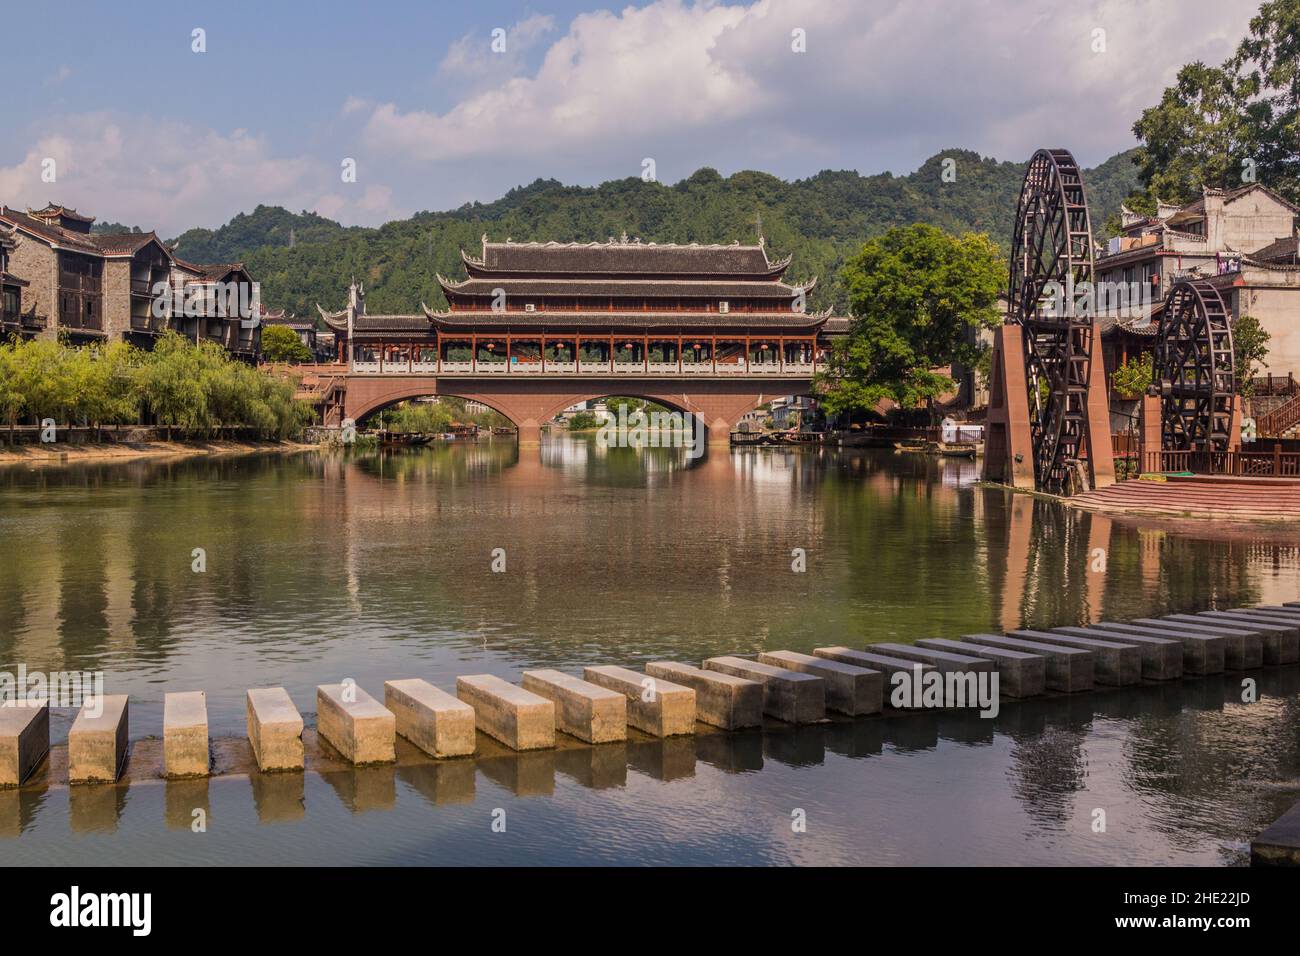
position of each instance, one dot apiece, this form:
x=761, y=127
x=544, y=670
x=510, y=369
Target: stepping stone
x=185, y=734
x=720, y=699
x=432, y=719
x=359, y=727
x=1118, y=665
x=1203, y=648
x=1243, y=647
x=849, y=690
x=886, y=664
x=945, y=662
x=1279, y=845
x=24, y=739
x=274, y=729
x=655, y=705
x=1069, y=669
x=97, y=743
x=583, y=710
x=1162, y=657
x=1279, y=647
x=1020, y=674
x=516, y=717
x=787, y=695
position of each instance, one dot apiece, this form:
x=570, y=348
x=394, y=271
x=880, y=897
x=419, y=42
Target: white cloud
x=885, y=84
x=169, y=176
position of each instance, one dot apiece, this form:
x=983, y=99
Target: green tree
x=1198, y=135
x=1250, y=348
x=11, y=396
x=917, y=297
x=172, y=381
x=281, y=344
x=1233, y=124
x=43, y=375
x=1134, y=376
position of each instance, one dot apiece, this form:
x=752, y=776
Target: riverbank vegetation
x=188, y=390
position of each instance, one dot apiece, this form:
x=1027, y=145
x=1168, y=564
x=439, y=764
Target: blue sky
x=143, y=130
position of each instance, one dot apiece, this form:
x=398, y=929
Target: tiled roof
x=1288, y=248
x=624, y=258
x=634, y=288
x=562, y=321
x=213, y=272
x=52, y=209
x=55, y=235
x=122, y=244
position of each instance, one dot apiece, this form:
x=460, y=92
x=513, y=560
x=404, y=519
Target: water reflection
x=376, y=566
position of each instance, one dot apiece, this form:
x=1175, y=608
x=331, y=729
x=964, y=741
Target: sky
x=436, y=104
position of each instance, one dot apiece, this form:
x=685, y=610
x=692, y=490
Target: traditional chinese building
x=13, y=321
x=1243, y=240
x=619, y=307
x=92, y=287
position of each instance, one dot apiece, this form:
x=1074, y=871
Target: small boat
x=402, y=439
x=915, y=445
x=955, y=450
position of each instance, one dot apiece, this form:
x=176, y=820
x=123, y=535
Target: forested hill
x=304, y=259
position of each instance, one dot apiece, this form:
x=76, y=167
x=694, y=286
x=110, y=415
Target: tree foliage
x=281, y=344
x=1250, y=348
x=917, y=297
x=1134, y=377
x=1233, y=124
x=197, y=389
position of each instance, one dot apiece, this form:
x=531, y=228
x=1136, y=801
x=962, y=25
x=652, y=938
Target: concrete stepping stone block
x=516, y=717
x=1280, y=647
x=1243, y=647
x=1117, y=665
x=721, y=700
x=1069, y=669
x=584, y=710
x=787, y=695
x=274, y=729
x=98, y=740
x=1020, y=674
x=850, y=689
x=1162, y=657
x=185, y=734
x=355, y=724
x=655, y=705
x=945, y=662
x=1203, y=648
x=886, y=664
x=435, y=721
x=24, y=739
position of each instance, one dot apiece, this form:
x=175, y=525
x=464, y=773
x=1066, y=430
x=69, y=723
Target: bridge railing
x=531, y=368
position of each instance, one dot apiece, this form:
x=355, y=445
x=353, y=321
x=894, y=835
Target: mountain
x=305, y=258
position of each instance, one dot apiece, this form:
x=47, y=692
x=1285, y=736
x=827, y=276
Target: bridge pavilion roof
x=623, y=257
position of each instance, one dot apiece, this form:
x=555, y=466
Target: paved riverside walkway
x=1202, y=496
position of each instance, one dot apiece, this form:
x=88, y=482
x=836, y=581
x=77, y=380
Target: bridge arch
x=409, y=390
x=530, y=402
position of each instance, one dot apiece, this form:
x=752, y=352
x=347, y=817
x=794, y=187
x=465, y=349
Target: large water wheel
x=1051, y=267
x=1195, y=369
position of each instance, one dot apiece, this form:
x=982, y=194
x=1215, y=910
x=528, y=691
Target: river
x=229, y=573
